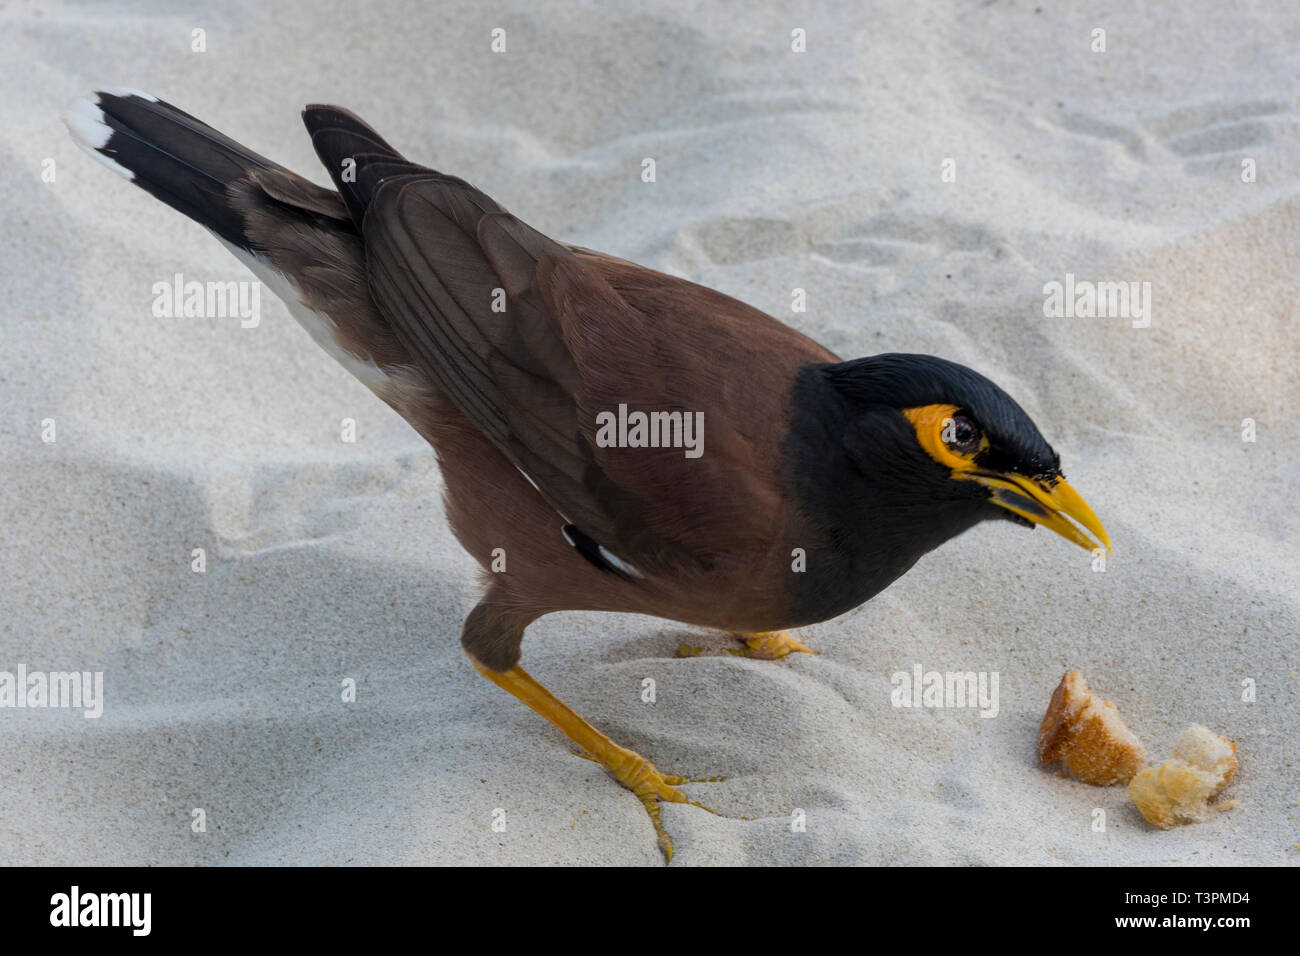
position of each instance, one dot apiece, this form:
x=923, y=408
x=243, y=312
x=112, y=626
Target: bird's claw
x=650, y=786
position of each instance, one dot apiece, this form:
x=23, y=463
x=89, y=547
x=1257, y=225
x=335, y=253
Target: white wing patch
x=618, y=562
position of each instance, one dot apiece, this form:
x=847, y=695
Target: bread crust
x=1087, y=736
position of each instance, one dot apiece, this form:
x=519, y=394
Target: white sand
x=776, y=170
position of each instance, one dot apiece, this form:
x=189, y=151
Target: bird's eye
x=948, y=434
x=961, y=435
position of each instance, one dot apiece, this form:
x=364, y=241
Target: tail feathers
x=358, y=159
x=191, y=166
x=168, y=153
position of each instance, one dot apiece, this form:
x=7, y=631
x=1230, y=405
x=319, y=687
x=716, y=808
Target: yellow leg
x=626, y=766
x=771, y=645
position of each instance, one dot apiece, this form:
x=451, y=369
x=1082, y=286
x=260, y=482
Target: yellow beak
x=1048, y=503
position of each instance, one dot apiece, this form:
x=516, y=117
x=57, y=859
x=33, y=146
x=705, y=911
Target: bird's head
x=934, y=436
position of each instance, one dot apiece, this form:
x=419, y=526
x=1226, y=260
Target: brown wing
x=293, y=190
x=580, y=334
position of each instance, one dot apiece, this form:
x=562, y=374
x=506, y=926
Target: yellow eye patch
x=930, y=422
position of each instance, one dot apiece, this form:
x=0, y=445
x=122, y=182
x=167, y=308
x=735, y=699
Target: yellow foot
x=689, y=650
x=627, y=767
x=771, y=646
x=649, y=785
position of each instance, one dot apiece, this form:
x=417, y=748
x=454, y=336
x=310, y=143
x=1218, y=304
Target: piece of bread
x=1180, y=790
x=1203, y=748
x=1086, y=734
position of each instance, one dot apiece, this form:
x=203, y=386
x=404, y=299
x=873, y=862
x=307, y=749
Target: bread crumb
x=1179, y=791
x=1087, y=735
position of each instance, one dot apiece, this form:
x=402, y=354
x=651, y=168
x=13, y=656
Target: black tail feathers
x=190, y=166
x=169, y=153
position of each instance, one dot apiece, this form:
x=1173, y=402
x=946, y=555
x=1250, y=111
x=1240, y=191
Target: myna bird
x=633, y=441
